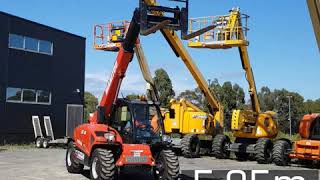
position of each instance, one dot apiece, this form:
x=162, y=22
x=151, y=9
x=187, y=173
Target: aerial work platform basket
x=229, y=31
x=109, y=37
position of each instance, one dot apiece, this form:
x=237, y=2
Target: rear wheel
x=219, y=146
x=72, y=165
x=103, y=165
x=45, y=143
x=263, y=150
x=167, y=166
x=190, y=146
x=280, y=154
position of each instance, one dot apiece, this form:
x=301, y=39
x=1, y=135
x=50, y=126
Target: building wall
x=61, y=74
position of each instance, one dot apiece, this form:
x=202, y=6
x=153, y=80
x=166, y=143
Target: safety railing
x=222, y=33
x=108, y=37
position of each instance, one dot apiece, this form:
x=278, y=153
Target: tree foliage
x=278, y=101
x=90, y=104
x=230, y=97
x=133, y=96
x=164, y=86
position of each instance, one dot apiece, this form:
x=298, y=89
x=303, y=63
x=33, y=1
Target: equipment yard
x=50, y=164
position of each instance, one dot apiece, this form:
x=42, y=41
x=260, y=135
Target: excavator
x=191, y=129
x=252, y=129
x=123, y=133
x=307, y=149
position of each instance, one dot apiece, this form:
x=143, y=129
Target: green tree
x=90, y=104
x=133, y=96
x=164, y=87
x=278, y=101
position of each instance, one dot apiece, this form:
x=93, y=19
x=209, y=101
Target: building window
x=28, y=96
x=45, y=47
x=16, y=41
x=30, y=44
x=14, y=94
x=43, y=96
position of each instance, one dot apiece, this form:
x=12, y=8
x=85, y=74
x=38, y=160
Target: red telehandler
x=121, y=133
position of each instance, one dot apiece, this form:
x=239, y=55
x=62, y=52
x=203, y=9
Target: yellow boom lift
x=314, y=9
x=190, y=127
x=252, y=129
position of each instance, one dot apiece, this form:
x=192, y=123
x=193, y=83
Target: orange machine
x=305, y=150
x=309, y=147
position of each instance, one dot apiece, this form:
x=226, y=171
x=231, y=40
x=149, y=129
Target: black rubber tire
x=263, y=150
x=169, y=164
x=240, y=156
x=190, y=146
x=218, y=146
x=279, y=153
x=105, y=165
x=45, y=143
x=71, y=164
x=39, y=142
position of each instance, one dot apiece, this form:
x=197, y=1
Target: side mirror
x=172, y=113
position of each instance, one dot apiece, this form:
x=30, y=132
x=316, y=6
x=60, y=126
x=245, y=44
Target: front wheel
x=71, y=164
x=39, y=142
x=167, y=166
x=103, y=165
x=280, y=155
x=220, y=146
x=190, y=146
x=263, y=150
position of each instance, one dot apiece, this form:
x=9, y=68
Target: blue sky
x=282, y=49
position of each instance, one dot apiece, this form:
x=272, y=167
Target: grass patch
x=12, y=147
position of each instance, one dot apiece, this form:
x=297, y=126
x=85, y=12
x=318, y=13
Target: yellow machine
x=314, y=10
x=188, y=140
x=253, y=129
x=190, y=127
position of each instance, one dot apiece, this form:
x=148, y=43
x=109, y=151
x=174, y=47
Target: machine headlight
x=166, y=138
x=109, y=136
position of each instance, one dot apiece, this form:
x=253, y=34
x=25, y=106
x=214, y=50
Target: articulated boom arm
x=180, y=51
x=124, y=57
x=314, y=9
x=235, y=23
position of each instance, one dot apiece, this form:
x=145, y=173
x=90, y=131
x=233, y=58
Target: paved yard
x=49, y=164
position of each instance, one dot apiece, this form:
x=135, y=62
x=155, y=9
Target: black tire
x=280, y=154
x=71, y=164
x=45, y=143
x=219, y=146
x=190, y=146
x=263, y=150
x=102, y=166
x=240, y=156
x=39, y=142
x=167, y=166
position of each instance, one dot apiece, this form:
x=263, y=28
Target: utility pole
x=289, y=97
